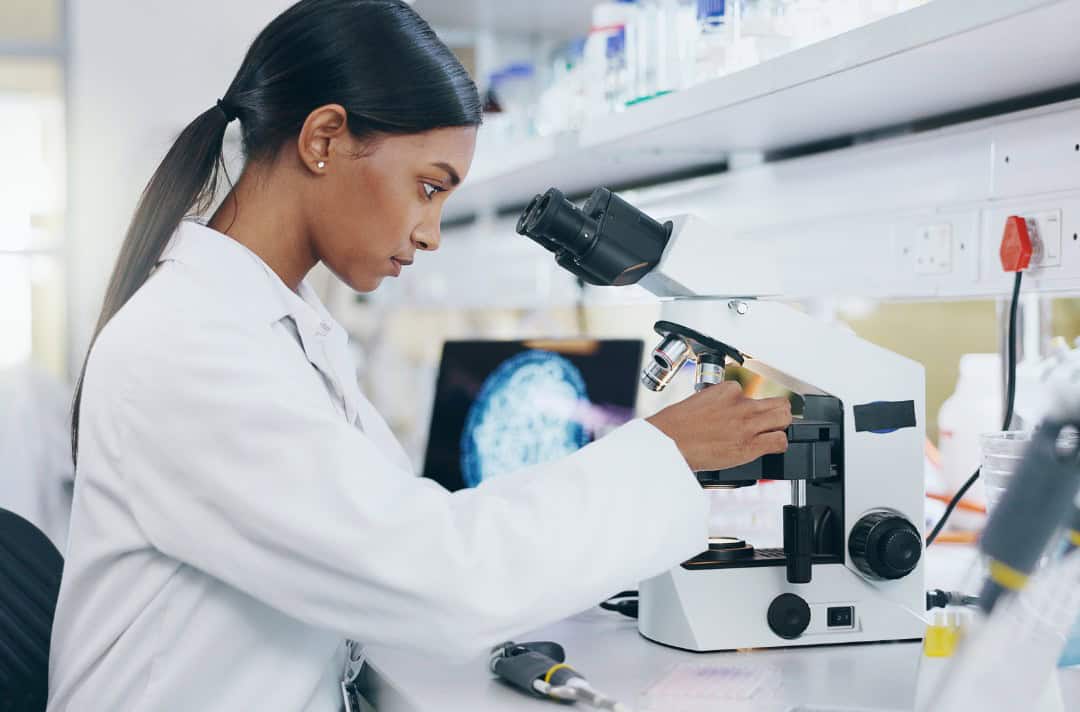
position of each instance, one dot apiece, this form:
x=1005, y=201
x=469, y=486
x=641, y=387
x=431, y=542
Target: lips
x=397, y=265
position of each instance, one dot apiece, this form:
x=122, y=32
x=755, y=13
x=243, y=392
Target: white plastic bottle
x=675, y=31
x=618, y=82
x=973, y=408
x=609, y=19
x=631, y=14
x=765, y=28
x=717, y=20
x=645, y=30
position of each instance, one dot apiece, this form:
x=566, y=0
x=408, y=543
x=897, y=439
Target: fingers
x=769, y=420
x=774, y=443
x=728, y=390
x=762, y=405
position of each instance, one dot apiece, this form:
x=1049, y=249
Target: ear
x=323, y=127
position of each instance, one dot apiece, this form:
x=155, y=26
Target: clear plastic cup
x=1001, y=454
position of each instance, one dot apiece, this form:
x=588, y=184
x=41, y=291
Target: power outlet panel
x=1056, y=257
x=1047, y=251
x=933, y=249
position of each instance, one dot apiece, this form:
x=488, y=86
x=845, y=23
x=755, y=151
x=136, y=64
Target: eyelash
x=434, y=190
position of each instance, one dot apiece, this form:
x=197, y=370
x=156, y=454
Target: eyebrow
x=453, y=175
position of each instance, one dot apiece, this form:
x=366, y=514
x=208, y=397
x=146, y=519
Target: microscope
x=850, y=569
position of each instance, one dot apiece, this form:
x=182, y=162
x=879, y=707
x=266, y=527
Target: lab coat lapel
x=319, y=341
x=329, y=353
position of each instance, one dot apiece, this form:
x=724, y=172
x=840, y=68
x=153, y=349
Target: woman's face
x=379, y=203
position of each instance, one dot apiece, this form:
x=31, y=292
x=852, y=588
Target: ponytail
x=187, y=177
x=377, y=58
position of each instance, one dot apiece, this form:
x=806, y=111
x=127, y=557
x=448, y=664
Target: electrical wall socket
x=933, y=249
x=1047, y=252
x=1055, y=261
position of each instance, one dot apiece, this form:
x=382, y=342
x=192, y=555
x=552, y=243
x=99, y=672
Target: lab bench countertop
x=606, y=649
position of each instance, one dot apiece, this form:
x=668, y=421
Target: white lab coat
x=240, y=510
x=36, y=472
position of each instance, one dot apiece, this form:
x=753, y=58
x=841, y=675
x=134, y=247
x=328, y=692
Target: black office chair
x=30, y=568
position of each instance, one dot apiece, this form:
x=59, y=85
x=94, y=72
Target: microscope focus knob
x=885, y=545
x=788, y=616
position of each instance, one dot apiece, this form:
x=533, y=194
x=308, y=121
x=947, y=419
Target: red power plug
x=1018, y=243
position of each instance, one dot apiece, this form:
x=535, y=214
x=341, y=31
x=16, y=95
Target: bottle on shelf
x=676, y=33
x=609, y=20
x=562, y=105
x=617, y=82
x=765, y=28
x=716, y=34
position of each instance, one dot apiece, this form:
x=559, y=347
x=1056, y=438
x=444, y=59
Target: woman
x=240, y=510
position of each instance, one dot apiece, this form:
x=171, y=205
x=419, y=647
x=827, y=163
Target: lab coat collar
x=250, y=281
x=257, y=289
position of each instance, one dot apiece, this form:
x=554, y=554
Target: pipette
x=540, y=669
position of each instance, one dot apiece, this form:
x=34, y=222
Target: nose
x=427, y=237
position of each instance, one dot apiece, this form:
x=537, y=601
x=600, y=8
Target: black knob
x=885, y=545
x=789, y=616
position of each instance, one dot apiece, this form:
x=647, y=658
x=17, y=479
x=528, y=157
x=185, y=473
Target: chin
x=358, y=280
x=365, y=283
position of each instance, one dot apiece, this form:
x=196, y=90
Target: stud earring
x=321, y=164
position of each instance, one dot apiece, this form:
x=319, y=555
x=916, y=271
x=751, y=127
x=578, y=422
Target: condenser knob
x=885, y=545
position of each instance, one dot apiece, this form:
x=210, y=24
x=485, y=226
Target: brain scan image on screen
x=529, y=411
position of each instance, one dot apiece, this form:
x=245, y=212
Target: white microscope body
x=857, y=486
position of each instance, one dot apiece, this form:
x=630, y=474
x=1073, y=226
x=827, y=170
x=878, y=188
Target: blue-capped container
x=514, y=86
x=712, y=10
x=616, y=44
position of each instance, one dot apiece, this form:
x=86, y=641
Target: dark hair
x=376, y=58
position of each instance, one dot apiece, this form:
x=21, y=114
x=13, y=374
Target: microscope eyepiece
x=552, y=220
x=608, y=242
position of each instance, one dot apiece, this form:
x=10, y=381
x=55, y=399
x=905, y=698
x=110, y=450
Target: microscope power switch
x=840, y=617
x=885, y=545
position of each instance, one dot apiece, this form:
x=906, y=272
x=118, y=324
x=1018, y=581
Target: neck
x=264, y=216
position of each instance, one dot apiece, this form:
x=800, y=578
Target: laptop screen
x=501, y=406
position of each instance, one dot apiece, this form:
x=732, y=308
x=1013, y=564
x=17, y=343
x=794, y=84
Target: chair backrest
x=30, y=568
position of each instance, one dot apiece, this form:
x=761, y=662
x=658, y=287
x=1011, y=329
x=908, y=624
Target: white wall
x=139, y=72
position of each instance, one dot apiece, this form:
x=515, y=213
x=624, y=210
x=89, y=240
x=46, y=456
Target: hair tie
x=226, y=110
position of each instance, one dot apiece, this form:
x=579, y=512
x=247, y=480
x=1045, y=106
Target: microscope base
x=732, y=609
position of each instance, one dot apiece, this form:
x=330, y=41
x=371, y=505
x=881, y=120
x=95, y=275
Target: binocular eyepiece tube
x=607, y=242
x=556, y=224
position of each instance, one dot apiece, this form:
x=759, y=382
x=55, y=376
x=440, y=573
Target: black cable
x=1010, y=398
x=952, y=505
x=624, y=602
x=937, y=598
x=1010, y=403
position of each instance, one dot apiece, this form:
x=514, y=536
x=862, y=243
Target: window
x=29, y=23
x=32, y=185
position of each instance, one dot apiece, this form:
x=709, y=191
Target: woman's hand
x=720, y=427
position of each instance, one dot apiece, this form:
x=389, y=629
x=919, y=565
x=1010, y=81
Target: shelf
x=556, y=19
x=944, y=57
x=510, y=176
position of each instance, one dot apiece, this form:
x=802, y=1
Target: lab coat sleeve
x=232, y=469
